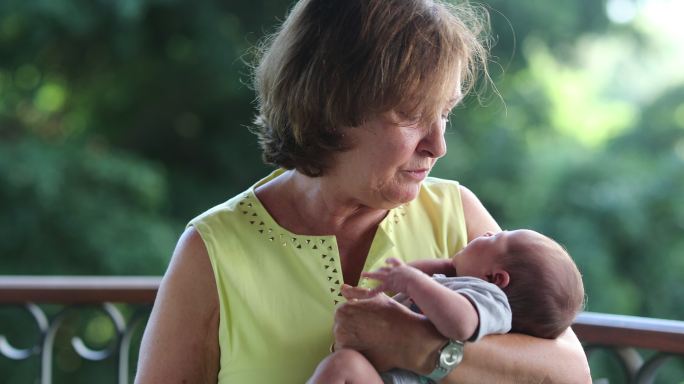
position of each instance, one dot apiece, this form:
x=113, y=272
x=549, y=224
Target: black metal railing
x=641, y=345
x=124, y=301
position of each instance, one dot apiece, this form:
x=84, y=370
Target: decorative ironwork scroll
x=118, y=348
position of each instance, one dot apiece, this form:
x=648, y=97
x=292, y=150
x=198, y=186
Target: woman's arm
x=180, y=343
x=517, y=358
x=371, y=326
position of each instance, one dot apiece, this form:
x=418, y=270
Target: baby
x=520, y=274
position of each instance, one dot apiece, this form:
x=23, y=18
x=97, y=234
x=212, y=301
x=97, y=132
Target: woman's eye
x=409, y=118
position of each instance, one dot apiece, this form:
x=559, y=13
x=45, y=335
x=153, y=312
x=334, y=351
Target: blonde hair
x=334, y=64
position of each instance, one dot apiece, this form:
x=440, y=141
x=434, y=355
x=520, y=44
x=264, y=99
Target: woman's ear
x=500, y=278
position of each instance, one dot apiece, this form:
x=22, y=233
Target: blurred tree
x=72, y=210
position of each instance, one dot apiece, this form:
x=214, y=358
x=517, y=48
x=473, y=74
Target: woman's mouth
x=417, y=174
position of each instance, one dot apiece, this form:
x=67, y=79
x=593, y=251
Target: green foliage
x=72, y=210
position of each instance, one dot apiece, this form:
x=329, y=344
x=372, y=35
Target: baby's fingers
x=350, y=292
x=377, y=290
x=377, y=275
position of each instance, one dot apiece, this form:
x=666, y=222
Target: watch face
x=449, y=357
x=451, y=354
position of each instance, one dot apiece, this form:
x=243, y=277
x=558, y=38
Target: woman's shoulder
x=233, y=211
x=440, y=191
x=228, y=207
x=231, y=216
x=444, y=191
x=439, y=182
x=452, y=194
x=437, y=214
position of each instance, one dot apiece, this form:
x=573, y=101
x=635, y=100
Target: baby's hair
x=545, y=290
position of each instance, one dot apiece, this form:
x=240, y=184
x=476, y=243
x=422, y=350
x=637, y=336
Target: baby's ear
x=500, y=278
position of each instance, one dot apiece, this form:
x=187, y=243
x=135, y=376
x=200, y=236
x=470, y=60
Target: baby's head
x=542, y=283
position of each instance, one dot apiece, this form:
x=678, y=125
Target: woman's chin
x=402, y=196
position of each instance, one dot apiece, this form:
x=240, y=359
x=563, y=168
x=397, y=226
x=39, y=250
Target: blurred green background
x=121, y=120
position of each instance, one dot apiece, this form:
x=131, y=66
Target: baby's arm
x=452, y=314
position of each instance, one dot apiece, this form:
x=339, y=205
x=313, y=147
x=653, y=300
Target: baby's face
x=479, y=257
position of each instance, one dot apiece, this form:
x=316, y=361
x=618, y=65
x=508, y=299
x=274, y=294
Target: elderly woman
x=353, y=101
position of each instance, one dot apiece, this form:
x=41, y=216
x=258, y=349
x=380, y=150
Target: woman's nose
x=433, y=144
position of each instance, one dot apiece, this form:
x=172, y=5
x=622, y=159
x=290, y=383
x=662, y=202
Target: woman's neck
x=316, y=206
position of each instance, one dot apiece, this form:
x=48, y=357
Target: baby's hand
x=356, y=293
x=396, y=277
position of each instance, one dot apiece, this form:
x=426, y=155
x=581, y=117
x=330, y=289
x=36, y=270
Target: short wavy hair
x=334, y=64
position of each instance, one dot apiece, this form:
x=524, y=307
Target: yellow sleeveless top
x=278, y=290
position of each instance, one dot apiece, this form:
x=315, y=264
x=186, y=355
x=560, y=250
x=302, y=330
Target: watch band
x=449, y=356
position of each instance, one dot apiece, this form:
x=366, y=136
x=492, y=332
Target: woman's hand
x=386, y=332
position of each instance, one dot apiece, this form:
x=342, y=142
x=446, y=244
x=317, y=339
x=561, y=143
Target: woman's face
x=391, y=155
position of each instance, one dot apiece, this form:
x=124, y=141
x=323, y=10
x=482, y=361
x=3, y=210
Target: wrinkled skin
x=369, y=324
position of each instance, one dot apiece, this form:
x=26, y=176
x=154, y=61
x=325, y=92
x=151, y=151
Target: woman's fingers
x=372, y=326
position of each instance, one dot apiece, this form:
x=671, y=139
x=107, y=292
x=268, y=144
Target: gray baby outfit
x=489, y=301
